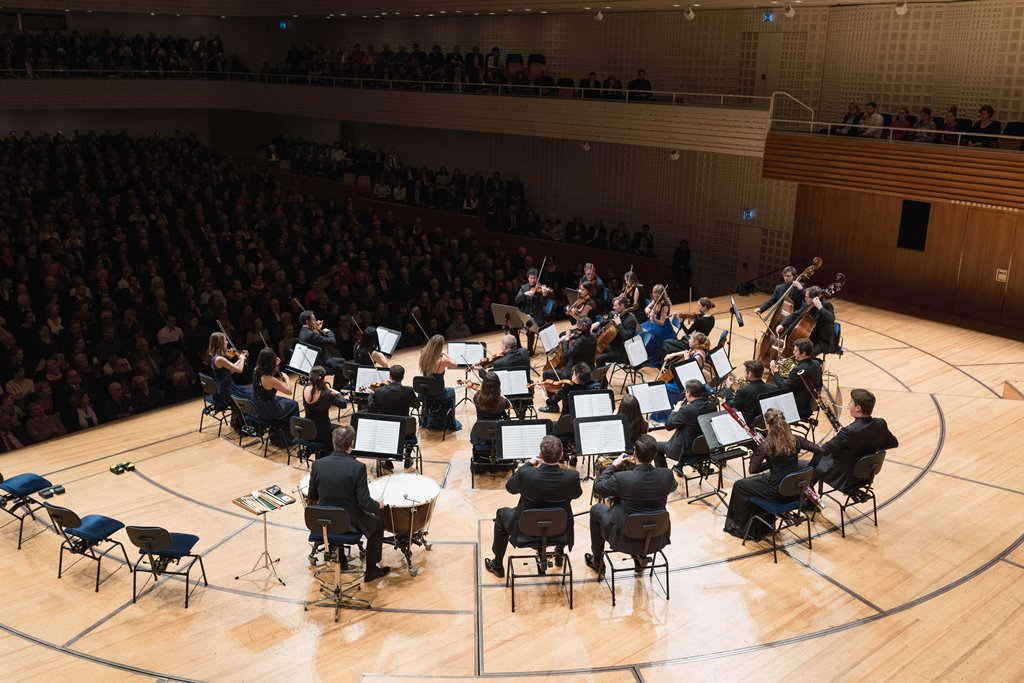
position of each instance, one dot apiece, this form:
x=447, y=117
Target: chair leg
x=60, y=561
x=201, y=416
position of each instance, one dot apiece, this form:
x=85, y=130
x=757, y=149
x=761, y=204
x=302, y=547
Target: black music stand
x=723, y=437
x=652, y=396
x=383, y=437
x=511, y=318
x=466, y=361
x=601, y=435
x=734, y=314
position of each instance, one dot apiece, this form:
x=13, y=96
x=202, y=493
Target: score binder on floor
x=265, y=500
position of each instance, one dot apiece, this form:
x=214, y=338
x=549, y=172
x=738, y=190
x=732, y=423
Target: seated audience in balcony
x=590, y=87
x=576, y=230
x=642, y=243
x=640, y=88
x=546, y=84
x=924, y=127
x=474, y=65
x=984, y=127
x=950, y=126
x=903, y=123
x=612, y=88
x=850, y=119
x=871, y=122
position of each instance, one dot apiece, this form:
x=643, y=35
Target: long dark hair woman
x=317, y=400
x=224, y=369
x=489, y=403
x=267, y=382
x=770, y=463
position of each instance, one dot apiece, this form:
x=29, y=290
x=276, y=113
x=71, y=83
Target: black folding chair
x=790, y=514
x=84, y=535
x=652, y=528
x=159, y=549
x=861, y=491
x=541, y=529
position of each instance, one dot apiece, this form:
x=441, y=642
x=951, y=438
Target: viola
x=489, y=360
x=551, y=385
x=475, y=386
x=372, y=386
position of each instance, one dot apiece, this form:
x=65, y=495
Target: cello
x=770, y=346
x=802, y=328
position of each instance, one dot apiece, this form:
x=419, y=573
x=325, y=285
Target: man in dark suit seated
x=683, y=421
x=823, y=336
x=513, y=357
x=805, y=366
x=315, y=334
x=395, y=399
x=582, y=349
x=540, y=483
x=339, y=480
x=864, y=436
x=627, y=329
x=745, y=399
x=795, y=294
x=581, y=381
x=645, y=488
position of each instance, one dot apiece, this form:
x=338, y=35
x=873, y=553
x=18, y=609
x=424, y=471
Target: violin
x=475, y=386
x=372, y=386
x=551, y=385
x=318, y=325
x=489, y=360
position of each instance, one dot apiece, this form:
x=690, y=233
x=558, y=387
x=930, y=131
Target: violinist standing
x=531, y=300
x=581, y=347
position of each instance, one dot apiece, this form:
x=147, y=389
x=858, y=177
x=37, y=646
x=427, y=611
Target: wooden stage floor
x=934, y=592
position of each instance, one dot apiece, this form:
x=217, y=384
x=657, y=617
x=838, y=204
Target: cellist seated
x=818, y=315
x=626, y=327
x=578, y=346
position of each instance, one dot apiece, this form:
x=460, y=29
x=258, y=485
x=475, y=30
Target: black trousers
x=597, y=539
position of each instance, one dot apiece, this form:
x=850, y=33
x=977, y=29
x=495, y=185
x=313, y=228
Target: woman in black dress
x=267, y=381
x=490, y=404
x=771, y=463
x=317, y=401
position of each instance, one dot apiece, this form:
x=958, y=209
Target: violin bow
x=227, y=336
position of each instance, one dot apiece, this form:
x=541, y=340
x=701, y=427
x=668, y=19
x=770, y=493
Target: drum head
x=304, y=485
x=404, y=490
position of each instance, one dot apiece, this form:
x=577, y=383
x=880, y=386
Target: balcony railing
x=896, y=134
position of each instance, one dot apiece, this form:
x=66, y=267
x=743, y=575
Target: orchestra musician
x=581, y=381
x=586, y=304
x=540, y=484
x=315, y=334
x=224, y=368
x=632, y=292
x=339, y=480
x=489, y=403
x=512, y=356
x=789, y=277
x=745, y=399
x=770, y=463
x=367, y=350
x=630, y=407
x=317, y=400
x=531, y=300
x=434, y=361
x=627, y=329
x=823, y=336
x=683, y=422
x=267, y=382
x=641, y=489
x=581, y=347
x=698, y=352
x=590, y=275
x=657, y=325
x=810, y=368
x=395, y=399
x=864, y=436
x=702, y=322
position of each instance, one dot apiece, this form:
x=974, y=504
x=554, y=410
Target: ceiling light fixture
x=790, y=12
x=689, y=14
x=902, y=8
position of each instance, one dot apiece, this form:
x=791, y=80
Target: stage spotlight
x=902, y=8
x=689, y=14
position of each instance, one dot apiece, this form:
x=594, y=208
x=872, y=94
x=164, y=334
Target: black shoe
x=573, y=461
x=494, y=568
x=595, y=564
x=639, y=565
x=559, y=560
x=678, y=470
x=387, y=465
x=407, y=463
x=374, y=573
x=547, y=409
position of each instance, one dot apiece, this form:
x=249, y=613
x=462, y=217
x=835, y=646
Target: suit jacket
x=797, y=296
x=643, y=489
x=863, y=436
x=824, y=333
x=321, y=341
x=542, y=487
x=805, y=403
x=393, y=399
x=339, y=480
x=746, y=400
x=532, y=306
x=684, y=423
x=517, y=359
x=584, y=350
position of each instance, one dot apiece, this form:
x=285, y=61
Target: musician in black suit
x=745, y=399
x=315, y=334
x=541, y=483
x=581, y=381
x=788, y=279
x=513, y=357
x=823, y=336
x=683, y=422
x=864, y=436
x=627, y=329
x=582, y=349
x=642, y=489
x=395, y=399
x=531, y=300
x=339, y=480
x=806, y=366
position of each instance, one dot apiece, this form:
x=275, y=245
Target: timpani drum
x=303, y=489
x=407, y=503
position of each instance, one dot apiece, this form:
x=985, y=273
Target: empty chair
x=84, y=536
x=543, y=529
x=777, y=516
x=861, y=491
x=304, y=433
x=159, y=549
x=252, y=425
x=645, y=536
x=213, y=406
x=331, y=528
x=18, y=501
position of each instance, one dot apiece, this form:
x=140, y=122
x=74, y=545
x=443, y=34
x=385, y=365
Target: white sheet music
x=367, y=376
x=303, y=358
x=602, y=437
x=727, y=430
x=378, y=436
x=591, y=405
x=687, y=371
x=513, y=382
x=636, y=352
x=720, y=361
x=521, y=442
x=783, y=402
x=388, y=340
x=466, y=354
x=652, y=397
x=549, y=338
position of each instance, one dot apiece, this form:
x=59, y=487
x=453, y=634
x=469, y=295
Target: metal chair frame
x=63, y=520
x=333, y=521
x=787, y=515
x=645, y=526
x=538, y=525
x=212, y=406
x=151, y=541
x=864, y=472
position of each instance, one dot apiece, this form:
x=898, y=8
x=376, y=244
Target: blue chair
x=330, y=527
x=159, y=548
x=778, y=516
x=18, y=501
x=435, y=405
x=303, y=431
x=540, y=529
x=212, y=405
x=252, y=425
x=83, y=536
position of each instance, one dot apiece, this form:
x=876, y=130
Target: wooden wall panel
x=988, y=244
x=1013, y=303
x=928, y=278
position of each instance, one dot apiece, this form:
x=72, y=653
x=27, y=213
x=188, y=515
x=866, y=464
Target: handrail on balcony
x=962, y=138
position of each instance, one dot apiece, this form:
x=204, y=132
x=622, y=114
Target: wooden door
x=988, y=245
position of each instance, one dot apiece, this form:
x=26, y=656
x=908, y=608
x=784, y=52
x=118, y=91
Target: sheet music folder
x=303, y=358
x=467, y=354
x=520, y=439
x=591, y=403
x=781, y=400
x=378, y=435
x=602, y=434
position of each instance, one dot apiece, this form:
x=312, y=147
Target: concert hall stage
x=935, y=591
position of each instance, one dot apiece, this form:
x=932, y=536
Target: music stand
x=596, y=403
x=380, y=437
x=466, y=355
x=548, y=336
x=515, y=386
x=734, y=314
x=388, y=340
x=601, y=435
x=366, y=376
x=260, y=502
x=687, y=371
x=303, y=358
x=721, y=364
x=652, y=396
x=724, y=437
x=781, y=400
x=511, y=318
x=520, y=439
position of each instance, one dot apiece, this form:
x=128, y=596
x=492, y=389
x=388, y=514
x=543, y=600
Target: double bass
x=802, y=328
x=770, y=346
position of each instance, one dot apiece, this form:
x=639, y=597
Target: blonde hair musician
x=434, y=361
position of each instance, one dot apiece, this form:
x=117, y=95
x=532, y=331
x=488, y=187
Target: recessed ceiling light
x=675, y=5
x=295, y=16
x=444, y=12
x=152, y=14
x=430, y=15
x=416, y=15
x=543, y=11
x=527, y=10
x=458, y=11
x=383, y=14
x=586, y=8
